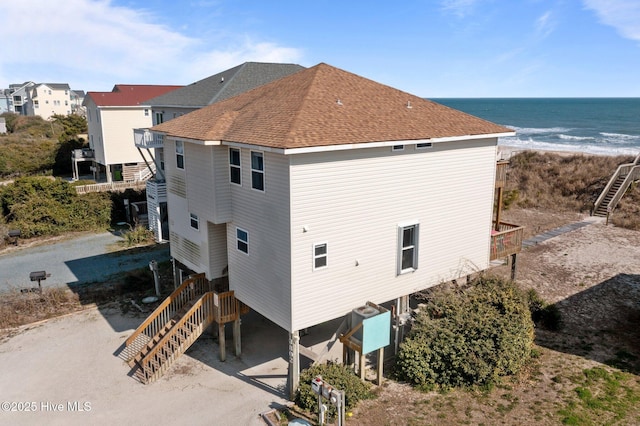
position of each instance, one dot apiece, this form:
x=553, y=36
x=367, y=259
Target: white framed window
x=179, y=155
x=194, y=221
x=257, y=171
x=235, y=167
x=407, y=248
x=159, y=118
x=397, y=148
x=242, y=240
x=424, y=145
x=320, y=256
x=146, y=112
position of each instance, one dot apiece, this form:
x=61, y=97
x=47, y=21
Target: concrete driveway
x=84, y=259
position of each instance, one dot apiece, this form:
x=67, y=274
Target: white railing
x=630, y=171
x=146, y=173
x=144, y=138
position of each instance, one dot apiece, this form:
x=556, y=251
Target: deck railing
x=181, y=336
x=630, y=171
x=501, y=173
x=505, y=241
x=113, y=186
x=143, y=138
x=188, y=291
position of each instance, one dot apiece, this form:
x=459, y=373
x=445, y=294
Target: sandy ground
x=593, y=274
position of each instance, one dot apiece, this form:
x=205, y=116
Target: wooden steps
x=176, y=324
x=604, y=205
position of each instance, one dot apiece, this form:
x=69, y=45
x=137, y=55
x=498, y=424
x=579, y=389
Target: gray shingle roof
x=224, y=85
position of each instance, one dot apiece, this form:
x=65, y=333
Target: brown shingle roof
x=323, y=106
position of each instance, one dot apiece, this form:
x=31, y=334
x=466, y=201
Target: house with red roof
x=324, y=191
x=111, y=118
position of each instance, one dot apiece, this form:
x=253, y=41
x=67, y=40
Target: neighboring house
x=3, y=126
x=6, y=103
x=77, y=99
x=111, y=118
x=48, y=99
x=20, y=96
x=176, y=103
x=324, y=190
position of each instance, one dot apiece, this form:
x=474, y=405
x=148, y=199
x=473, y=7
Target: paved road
x=85, y=259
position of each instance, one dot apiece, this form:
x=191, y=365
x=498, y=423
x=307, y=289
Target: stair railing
x=622, y=171
x=183, y=334
x=189, y=290
x=631, y=176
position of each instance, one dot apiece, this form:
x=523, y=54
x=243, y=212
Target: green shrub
x=337, y=375
x=543, y=314
x=468, y=338
x=138, y=236
x=41, y=206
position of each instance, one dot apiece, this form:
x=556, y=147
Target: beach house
x=324, y=190
x=111, y=118
x=176, y=103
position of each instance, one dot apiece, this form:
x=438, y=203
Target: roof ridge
x=296, y=124
x=227, y=83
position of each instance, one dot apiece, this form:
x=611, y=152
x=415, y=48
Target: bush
x=340, y=377
x=41, y=206
x=543, y=315
x=468, y=338
x=138, y=236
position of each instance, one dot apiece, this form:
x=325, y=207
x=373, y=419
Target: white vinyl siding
x=357, y=199
x=261, y=279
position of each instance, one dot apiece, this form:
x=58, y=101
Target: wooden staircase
x=616, y=187
x=176, y=324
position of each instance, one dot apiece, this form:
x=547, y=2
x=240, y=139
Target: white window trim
x=180, y=153
x=425, y=145
x=238, y=240
x=325, y=255
x=239, y=166
x=399, y=147
x=401, y=249
x=194, y=218
x=264, y=182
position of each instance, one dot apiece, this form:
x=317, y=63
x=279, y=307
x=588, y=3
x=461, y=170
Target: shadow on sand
x=601, y=323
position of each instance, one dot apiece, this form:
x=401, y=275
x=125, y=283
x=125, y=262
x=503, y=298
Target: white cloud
x=460, y=8
x=623, y=15
x=93, y=45
x=545, y=25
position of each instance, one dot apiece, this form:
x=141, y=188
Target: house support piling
x=514, y=266
x=294, y=364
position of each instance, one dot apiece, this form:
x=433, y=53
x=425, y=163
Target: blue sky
x=434, y=49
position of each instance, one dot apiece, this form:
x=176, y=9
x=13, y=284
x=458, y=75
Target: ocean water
x=605, y=126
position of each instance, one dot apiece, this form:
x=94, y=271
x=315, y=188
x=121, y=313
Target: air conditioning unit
x=360, y=314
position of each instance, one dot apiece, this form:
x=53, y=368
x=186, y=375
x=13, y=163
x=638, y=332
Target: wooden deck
x=506, y=240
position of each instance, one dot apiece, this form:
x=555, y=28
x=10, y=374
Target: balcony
x=505, y=241
x=156, y=191
x=84, y=154
x=143, y=138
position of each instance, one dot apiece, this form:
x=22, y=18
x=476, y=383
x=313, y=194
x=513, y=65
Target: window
x=36, y=103
x=257, y=171
x=195, y=222
x=235, y=171
x=159, y=118
x=242, y=238
x=424, y=145
x=66, y=103
x=146, y=112
x=407, y=248
x=179, y=155
x=397, y=148
x=319, y=256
